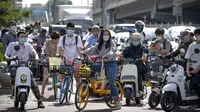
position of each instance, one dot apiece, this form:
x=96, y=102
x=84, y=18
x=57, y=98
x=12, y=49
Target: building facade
x=150, y=11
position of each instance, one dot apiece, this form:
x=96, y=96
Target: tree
x=26, y=13
x=8, y=12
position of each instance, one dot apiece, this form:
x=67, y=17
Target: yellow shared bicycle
x=98, y=85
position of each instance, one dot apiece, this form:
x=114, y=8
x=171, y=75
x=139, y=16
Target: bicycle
x=54, y=66
x=67, y=83
x=88, y=80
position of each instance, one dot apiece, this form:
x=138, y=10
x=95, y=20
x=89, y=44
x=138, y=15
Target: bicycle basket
x=66, y=70
x=83, y=71
x=54, y=63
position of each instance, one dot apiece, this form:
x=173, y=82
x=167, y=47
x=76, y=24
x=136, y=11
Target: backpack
x=164, y=45
x=64, y=38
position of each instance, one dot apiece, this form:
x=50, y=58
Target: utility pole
x=54, y=11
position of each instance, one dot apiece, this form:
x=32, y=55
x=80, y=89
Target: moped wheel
x=154, y=99
x=22, y=101
x=55, y=89
x=128, y=97
x=69, y=88
x=82, y=95
x=168, y=101
x=63, y=91
x=16, y=104
x=109, y=101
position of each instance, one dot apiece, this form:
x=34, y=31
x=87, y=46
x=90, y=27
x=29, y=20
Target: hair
x=89, y=29
x=70, y=25
x=101, y=27
x=21, y=32
x=35, y=25
x=12, y=22
x=159, y=31
x=55, y=35
x=101, y=41
x=136, y=34
x=197, y=31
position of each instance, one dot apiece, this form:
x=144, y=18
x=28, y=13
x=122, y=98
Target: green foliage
x=2, y=58
x=26, y=13
x=8, y=12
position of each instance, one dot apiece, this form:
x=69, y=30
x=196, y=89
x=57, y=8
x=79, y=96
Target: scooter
x=157, y=81
x=22, y=80
x=177, y=90
x=129, y=79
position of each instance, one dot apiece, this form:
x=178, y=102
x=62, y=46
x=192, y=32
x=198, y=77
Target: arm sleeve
x=125, y=52
x=8, y=50
x=79, y=44
x=91, y=51
x=60, y=43
x=189, y=52
x=5, y=41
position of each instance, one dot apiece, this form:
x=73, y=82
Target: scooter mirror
x=16, y=48
x=196, y=51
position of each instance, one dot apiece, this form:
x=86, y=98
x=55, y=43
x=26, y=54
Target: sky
x=75, y=2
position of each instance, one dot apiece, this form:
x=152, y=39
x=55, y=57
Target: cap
x=184, y=33
x=132, y=30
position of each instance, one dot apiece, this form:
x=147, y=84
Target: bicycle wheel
x=109, y=101
x=63, y=91
x=55, y=81
x=82, y=95
x=69, y=88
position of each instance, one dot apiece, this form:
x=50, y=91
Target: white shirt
x=23, y=53
x=191, y=55
x=70, y=51
x=31, y=36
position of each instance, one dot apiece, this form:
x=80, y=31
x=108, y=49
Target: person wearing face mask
x=70, y=45
x=193, y=69
x=93, y=38
x=23, y=54
x=137, y=51
x=40, y=39
x=107, y=48
x=139, y=25
x=165, y=45
x=34, y=34
x=50, y=51
x=186, y=38
x=9, y=36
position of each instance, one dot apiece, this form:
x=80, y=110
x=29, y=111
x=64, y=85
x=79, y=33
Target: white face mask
x=106, y=38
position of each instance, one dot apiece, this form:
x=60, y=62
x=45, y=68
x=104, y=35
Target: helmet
x=132, y=30
x=139, y=25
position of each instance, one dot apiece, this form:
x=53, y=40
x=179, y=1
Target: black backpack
x=64, y=38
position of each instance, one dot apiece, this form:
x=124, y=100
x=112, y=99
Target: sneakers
x=118, y=105
x=40, y=104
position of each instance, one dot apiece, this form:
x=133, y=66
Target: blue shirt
x=91, y=40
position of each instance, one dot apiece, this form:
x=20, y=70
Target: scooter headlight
x=173, y=69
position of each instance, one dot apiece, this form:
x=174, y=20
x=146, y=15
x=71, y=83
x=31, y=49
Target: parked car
x=118, y=28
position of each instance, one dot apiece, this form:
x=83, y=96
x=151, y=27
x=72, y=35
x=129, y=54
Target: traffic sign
x=177, y=3
x=177, y=11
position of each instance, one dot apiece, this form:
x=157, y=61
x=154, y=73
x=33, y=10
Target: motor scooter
x=129, y=79
x=177, y=90
x=22, y=79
